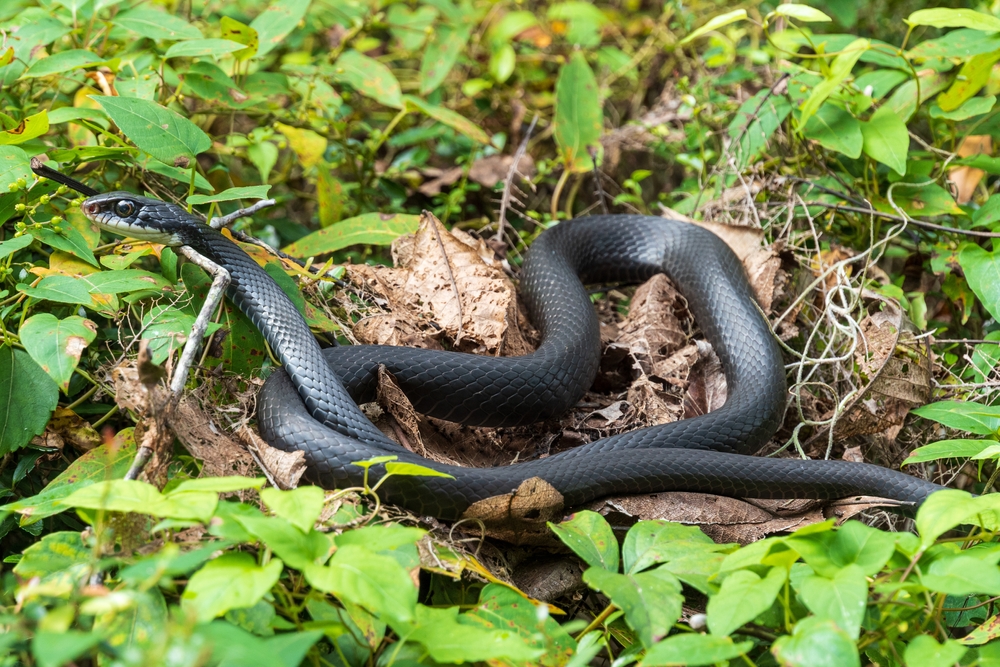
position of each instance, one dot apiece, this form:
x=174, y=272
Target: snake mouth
x=137, y=217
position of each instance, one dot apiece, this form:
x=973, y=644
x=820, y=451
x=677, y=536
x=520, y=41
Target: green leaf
x=841, y=599
x=694, y=650
x=962, y=44
x=579, y=117
x=886, y=139
x=840, y=69
x=455, y=121
x=835, y=129
x=816, y=642
x=155, y=24
x=370, y=580
x=369, y=77
x=203, y=47
x=155, y=129
x=14, y=164
x=591, y=538
x=240, y=33
x=61, y=289
x=28, y=395
x=754, y=123
x=138, y=625
x=68, y=240
x=11, y=246
x=973, y=107
x=125, y=280
x=743, y=597
x=905, y=100
x=414, y=470
x=649, y=543
x=448, y=640
x=948, y=449
x=243, y=349
x=503, y=609
x=30, y=128
x=55, y=649
x=410, y=27
x=962, y=575
x=299, y=549
x=367, y=229
x=651, y=600
x=393, y=540
x=924, y=651
x=124, y=495
x=64, y=61
x=53, y=553
x=955, y=18
x=56, y=345
x=231, y=581
x=714, y=24
x=941, y=512
x=970, y=80
x=300, y=506
x=232, y=194
x=442, y=50
x=802, y=13
x=982, y=271
x=109, y=461
x=274, y=23
x=178, y=174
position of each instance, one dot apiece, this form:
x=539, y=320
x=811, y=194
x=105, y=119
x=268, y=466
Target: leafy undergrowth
x=850, y=144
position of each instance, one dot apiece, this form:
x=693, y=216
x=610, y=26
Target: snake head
x=140, y=217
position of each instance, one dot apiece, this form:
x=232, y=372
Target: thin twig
x=451, y=277
x=508, y=184
x=226, y=220
x=597, y=180
x=896, y=218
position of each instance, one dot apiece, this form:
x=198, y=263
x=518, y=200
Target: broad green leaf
x=14, y=164
x=503, y=609
x=854, y=543
x=414, y=470
x=982, y=271
x=973, y=107
x=240, y=33
x=455, y=121
x=440, y=53
x=962, y=575
x=924, y=651
x=754, y=123
x=410, y=27
x=835, y=129
x=105, y=462
x=64, y=61
x=840, y=69
x=651, y=600
x=56, y=345
x=955, y=18
x=802, y=13
x=369, y=77
x=125, y=280
x=62, y=289
x=881, y=82
x=694, y=650
x=904, y=100
x=886, y=139
x=177, y=174
x=13, y=245
x=370, y=580
x=155, y=129
x=28, y=395
x=135, y=626
x=649, y=543
x=714, y=24
x=591, y=538
x=219, y=484
x=742, y=598
x=196, y=48
x=309, y=146
x=925, y=200
x=274, y=23
x=55, y=649
x=502, y=63
x=368, y=229
x=299, y=549
x=264, y=156
x=449, y=641
x=300, y=506
x=120, y=495
x=231, y=581
x=949, y=449
x=54, y=552
x=816, y=642
x=970, y=80
x=398, y=542
x=841, y=599
x=330, y=195
x=941, y=512
x=963, y=43
x=155, y=24
x=232, y=194
x=579, y=117
x=209, y=82
x=30, y=128
x=69, y=239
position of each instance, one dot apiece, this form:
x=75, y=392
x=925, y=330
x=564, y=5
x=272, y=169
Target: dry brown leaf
x=652, y=331
x=489, y=171
x=392, y=399
x=762, y=263
x=74, y=430
x=440, y=179
x=707, y=384
x=283, y=469
x=966, y=179
x=520, y=517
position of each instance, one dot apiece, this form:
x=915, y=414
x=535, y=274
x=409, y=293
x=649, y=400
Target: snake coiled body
x=311, y=404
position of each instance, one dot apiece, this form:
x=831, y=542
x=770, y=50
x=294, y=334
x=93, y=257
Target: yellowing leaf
x=29, y=128
x=308, y=145
x=240, y=33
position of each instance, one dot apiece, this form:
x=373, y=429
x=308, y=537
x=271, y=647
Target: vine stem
x=598, y=620
x=557, y=193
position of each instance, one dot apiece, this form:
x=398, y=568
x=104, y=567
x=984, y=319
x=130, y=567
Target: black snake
x=311, y=405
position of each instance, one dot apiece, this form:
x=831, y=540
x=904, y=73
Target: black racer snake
x=312, y=404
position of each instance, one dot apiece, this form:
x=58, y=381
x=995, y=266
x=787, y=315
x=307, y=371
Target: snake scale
x=311, y=405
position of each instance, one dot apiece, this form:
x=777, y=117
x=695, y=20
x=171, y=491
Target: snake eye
x=124, y=208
